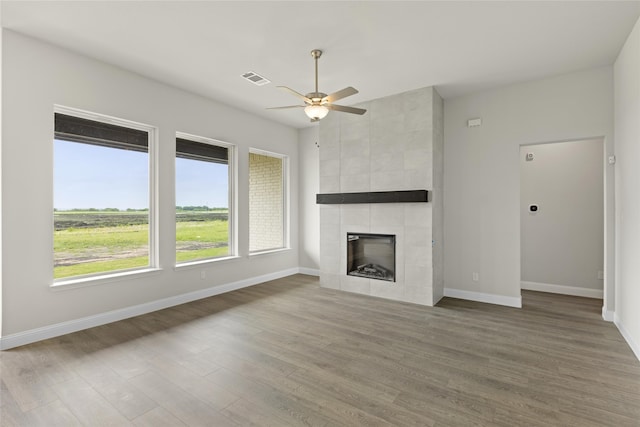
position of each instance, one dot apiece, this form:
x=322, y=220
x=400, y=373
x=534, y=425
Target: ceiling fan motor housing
x=317, y=97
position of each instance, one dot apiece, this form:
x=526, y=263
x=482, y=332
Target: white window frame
x=117, y=275
x=286, y=202
x=232, y=215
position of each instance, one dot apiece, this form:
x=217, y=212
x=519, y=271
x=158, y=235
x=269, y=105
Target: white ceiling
x=381, y=48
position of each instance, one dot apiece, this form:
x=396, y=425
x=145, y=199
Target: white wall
x=482, y=183
x=562, y=247
x=309, y=211
x=35, y=77
x=627, y=116
x=1, y=103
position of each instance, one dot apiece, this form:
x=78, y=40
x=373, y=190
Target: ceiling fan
x=317, y=104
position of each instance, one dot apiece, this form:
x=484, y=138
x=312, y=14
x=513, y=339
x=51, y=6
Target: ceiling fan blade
x=352, y=110
x=347, y=91
x=288, y=106
x=298, y=94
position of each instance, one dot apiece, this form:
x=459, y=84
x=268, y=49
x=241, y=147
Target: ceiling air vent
x=256, y=79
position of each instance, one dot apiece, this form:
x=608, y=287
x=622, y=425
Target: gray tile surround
x=396, y=145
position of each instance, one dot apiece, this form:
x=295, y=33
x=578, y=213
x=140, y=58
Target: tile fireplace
x=380, y=197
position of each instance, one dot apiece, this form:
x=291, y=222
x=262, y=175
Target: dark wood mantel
x=408, y=196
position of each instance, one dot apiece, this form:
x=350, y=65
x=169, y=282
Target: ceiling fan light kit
x=318, y=104
x=316, y=112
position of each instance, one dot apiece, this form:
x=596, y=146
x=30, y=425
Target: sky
x=88, y=176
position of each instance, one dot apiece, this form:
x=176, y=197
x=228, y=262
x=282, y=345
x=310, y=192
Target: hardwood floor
x=289, y=353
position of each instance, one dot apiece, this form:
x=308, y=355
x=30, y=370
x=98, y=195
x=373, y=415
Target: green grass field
x=198, y=240
x=99, y=246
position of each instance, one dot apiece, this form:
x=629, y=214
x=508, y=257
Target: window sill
x=82, y=282
x=203, y=262
x=269, y=251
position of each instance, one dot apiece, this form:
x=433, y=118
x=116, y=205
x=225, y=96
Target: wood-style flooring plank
x=119, y=392
x=10, y=413
x=158, y=417
x=23, y=381
x=187, y=408
x=192, y=383
x=87, y=405
x=282, y=404
x=54, y=414
x=256, y=414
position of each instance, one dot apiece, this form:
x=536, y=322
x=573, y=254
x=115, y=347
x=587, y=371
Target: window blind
x=186, y=149
x=76, y=129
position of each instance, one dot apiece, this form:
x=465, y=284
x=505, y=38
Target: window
x=203, y=198
x=268, y=201
x=102, y=199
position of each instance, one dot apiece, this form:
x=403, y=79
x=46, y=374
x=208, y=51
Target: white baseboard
x=309, y=271
x=63, y=328
x=482, y=297
x=607, y=315
x=635, y=347
x=561, y=289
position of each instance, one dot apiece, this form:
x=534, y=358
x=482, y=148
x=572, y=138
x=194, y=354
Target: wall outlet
x=476, y=277
x=601, y=275
x=203, y=275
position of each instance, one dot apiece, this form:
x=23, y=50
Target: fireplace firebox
x=372, y=256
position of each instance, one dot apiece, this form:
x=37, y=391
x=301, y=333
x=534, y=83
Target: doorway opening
x=562, y=209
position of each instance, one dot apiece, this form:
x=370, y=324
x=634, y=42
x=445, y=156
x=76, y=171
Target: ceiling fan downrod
x=316, y=53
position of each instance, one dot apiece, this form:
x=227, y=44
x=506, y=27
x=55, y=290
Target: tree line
x=202, y=208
